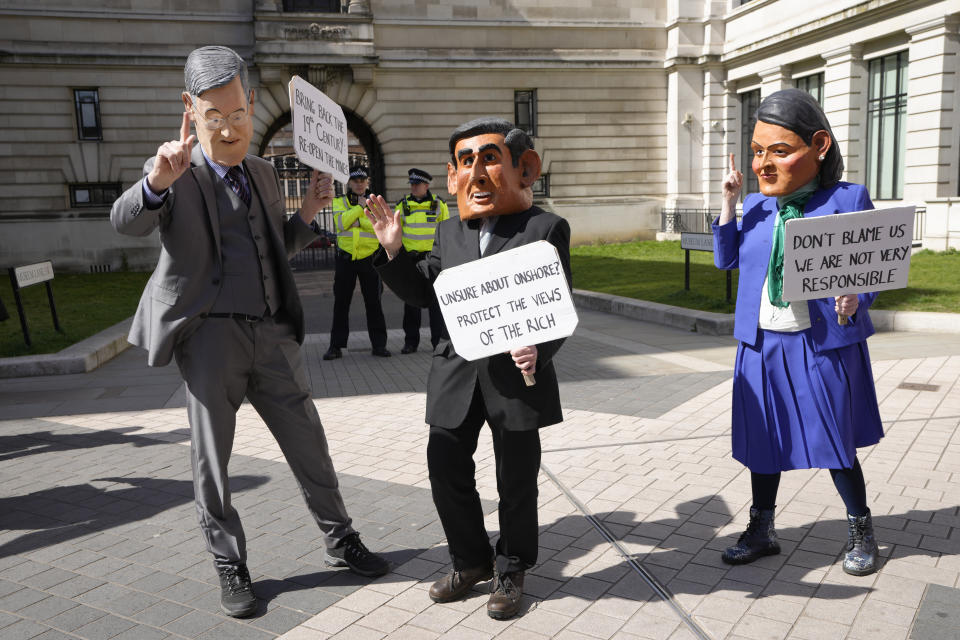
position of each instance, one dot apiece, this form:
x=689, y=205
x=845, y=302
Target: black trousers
x=411, y=324
x=345, y=277
x=452, y=480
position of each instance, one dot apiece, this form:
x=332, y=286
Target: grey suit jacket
x=509, y=403
x=186, y=280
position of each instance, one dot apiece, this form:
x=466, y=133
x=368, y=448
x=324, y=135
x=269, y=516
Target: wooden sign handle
x=841, y=319
x=529, y=380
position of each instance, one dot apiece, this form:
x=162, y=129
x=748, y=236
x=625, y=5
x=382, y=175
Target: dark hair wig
x=798, y=111
x=515, y=139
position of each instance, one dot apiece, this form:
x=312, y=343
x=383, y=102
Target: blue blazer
x=746, y=245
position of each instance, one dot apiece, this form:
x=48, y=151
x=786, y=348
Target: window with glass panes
x=525, y=110
x=812, y=85
x=87, y=103
x=886, y=125
x=749, y=102
x=94, y=194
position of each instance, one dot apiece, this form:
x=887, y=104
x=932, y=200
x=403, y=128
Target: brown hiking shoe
x=505, y=595
x=457, y=584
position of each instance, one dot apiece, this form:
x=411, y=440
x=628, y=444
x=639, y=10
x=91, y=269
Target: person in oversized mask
x=491, y=170
x=803, y=394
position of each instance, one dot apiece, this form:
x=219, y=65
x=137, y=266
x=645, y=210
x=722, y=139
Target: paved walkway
x=638, y=495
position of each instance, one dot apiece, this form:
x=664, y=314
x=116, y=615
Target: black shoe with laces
x=759, y=540
x=236, y=591
x=351, y=552
x=332, y=354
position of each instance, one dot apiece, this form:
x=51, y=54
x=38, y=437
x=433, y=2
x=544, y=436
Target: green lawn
x=653, y=271
x=86, y=304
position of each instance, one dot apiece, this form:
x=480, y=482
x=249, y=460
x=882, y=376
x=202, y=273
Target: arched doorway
x=277, y=147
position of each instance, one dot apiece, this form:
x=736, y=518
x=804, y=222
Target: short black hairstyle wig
x=515, y=139
x=798, y=111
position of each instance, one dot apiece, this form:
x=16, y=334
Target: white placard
x=517, y=298
x=319, y=129
x=848, y=253
x=33, y=274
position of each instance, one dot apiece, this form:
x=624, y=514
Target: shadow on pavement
x=61, y=514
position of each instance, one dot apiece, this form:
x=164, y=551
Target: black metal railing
x=294, y=178
x=695, y=220
x=919, y=217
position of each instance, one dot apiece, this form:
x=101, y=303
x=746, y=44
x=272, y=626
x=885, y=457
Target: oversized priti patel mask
x=483, y=173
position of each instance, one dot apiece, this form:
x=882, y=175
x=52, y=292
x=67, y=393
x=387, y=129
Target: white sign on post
x=33, y=274
x=512, y=299
x=319, y=130
x=849, y=253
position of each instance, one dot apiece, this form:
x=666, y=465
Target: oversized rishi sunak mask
x=486, y=179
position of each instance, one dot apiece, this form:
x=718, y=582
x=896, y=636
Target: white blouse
x=795, y=317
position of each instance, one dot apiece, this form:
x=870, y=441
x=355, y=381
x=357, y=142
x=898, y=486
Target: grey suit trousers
x=223, y=361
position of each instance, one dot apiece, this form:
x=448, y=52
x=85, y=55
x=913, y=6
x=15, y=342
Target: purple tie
x=235, y=179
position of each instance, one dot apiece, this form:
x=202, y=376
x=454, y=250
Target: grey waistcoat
x=249, y=283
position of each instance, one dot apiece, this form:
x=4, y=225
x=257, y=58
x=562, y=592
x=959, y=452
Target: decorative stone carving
x=315, y=32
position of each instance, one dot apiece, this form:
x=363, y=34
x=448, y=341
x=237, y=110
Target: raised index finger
x=733, y=164
x=185, y=127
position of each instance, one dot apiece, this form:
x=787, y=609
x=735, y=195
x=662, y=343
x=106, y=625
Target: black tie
x=234, y=178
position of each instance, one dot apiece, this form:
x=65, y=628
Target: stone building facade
x=634, y=104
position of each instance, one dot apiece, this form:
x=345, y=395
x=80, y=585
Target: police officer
x=421, y=211
x=356, y=243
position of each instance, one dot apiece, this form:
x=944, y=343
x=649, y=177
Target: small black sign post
x=699, y=242
x=22, y=277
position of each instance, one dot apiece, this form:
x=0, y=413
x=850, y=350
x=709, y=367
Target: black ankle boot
x=760, y=539
x=861, y=558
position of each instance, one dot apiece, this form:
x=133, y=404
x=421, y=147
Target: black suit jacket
x=509, y=403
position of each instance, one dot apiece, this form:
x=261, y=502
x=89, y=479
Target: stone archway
x=340, y=84
x=364, y=145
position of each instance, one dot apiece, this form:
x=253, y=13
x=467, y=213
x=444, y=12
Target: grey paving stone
x=48, y=578
x=280, y=619
x=75, y=618
x=131, y=602
x=193, y=624
x=6, y=619
x=104, y=628
x=23, y=630
x=17, y=600
x=938, y=617
x=161, y=613
x=53, y=634
x=187, y=591
x=47, y=608
x=142, y=632
x=235, y=631
x=156, y=582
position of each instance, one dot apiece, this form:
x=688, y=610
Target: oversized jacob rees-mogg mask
x=487, y=180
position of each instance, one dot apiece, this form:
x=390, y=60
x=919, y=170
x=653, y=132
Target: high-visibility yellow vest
x=420, y=220
x=354, y=230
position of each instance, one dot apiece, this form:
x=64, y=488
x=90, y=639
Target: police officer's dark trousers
x=348, y=271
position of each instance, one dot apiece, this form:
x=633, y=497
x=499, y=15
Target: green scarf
x=791, y=206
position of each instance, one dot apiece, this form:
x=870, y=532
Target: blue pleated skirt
x=794, y=408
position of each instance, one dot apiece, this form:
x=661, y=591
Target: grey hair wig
x=515, y=139
x=213, y=67
x=798, y=111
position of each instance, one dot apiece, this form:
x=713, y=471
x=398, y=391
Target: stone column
x=932, y=119
x=359, y=6
x=845, y=104
x=717, y=132
x=684, y=136
x=775, y=79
